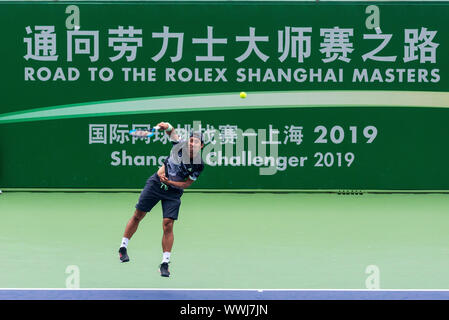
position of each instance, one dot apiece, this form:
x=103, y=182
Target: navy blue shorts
x=154, y=192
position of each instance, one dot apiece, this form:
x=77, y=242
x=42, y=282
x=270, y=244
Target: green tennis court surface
x=240, y=241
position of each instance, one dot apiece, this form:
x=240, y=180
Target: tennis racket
x=140, y=133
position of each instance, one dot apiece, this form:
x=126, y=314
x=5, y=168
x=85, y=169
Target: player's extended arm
x=169, y=130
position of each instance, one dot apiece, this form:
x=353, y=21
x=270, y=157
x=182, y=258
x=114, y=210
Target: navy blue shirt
x=179, y=167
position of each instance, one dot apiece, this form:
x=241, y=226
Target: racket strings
x=142, y=133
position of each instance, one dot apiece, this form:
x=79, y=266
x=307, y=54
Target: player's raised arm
x=168, y=128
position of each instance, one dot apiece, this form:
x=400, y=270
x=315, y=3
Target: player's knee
x=138, y=215
x=168, y=226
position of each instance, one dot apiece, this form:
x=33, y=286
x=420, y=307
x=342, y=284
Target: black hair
x=198, y=135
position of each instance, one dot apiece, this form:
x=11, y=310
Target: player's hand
x=161, y=173
x=163, y=125
x=164, y=179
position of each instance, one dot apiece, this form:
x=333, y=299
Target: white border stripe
x=330, y=98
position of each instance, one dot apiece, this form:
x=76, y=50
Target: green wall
x=370, y=106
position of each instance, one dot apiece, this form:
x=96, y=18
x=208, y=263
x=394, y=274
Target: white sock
x=166, y=257
x=124, y=243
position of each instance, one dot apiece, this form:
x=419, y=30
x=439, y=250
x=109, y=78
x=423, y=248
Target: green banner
x=348, y=95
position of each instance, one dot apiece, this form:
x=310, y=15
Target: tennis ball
x=242, y=95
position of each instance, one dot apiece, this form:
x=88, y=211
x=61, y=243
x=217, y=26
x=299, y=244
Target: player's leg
x=170, y=209
x=130, y=229
x=147, y=200
x=167, y=237
x=133, y=223
x=167, y=244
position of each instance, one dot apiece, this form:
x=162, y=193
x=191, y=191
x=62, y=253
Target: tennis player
x=180, y=170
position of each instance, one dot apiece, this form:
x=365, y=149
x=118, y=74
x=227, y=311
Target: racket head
x=138, y=133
